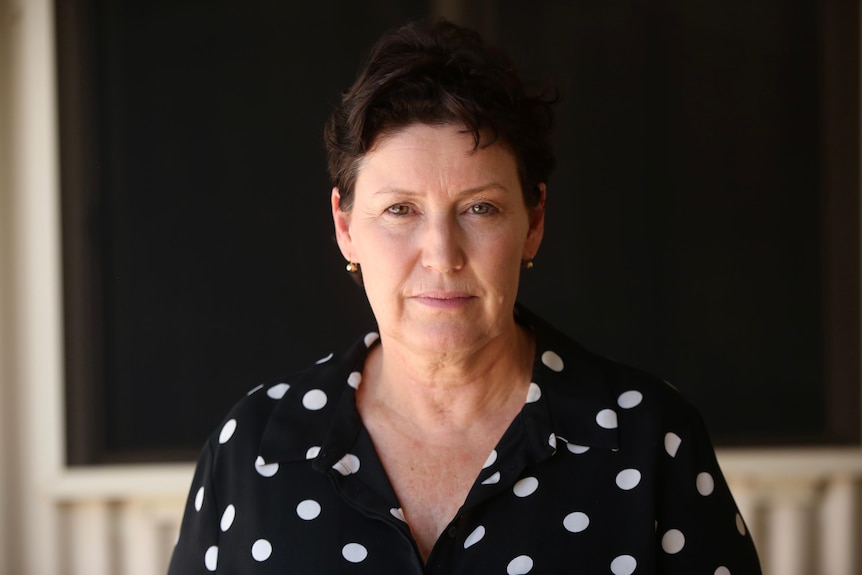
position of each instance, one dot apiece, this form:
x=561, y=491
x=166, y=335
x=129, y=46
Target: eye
x=398, y=210
x=481, y=209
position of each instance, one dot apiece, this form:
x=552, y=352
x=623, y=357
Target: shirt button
x=452, y=531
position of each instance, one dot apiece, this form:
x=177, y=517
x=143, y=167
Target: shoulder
x=288, y=409
x=312, y=384
x=609, y=396
x=639, y=396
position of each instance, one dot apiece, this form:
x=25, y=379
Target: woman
x=465, y=435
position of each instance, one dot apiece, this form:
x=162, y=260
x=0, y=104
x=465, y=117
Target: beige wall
x=120, y=521
x=30, y=436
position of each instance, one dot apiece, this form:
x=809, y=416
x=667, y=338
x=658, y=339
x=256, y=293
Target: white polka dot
x=673, y=541
x=199, y=499
x=474, y=537
x=624, y=565
x=277, y=391
x=312, y=452
x=552, y=440
x=398, y=514
x=370, y=338
x=526, y=486
x=740, y=524
x=324, y=359
x=577, y=449
x=628, y=479
x=347, y=464
x=672, y=442
x=211, y=558
x=227, y=431
x=354, y=379
x=227, y=517
x=265, y=469
x=519, y=565
x=534, y=393
x=261, y=550
x=491, y=459
x=255, y=389
x=308, y=509
x=722, y=571
x=630, y=399
x=552, y=360
x=576, y=522
x=493, y=479
x=314, y=399
x=607, y=418
x=705, y=483
x=354, y=552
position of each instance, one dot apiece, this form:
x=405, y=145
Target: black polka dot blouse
x=606, y=470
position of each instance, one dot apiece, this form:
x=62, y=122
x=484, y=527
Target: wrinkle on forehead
x=431, y=154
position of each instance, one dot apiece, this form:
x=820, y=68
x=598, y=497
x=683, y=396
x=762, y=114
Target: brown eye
x=480, y=209
x=398, y=210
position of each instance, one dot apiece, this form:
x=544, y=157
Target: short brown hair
x=440, y=74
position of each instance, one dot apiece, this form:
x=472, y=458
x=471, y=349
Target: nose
x=442, y=245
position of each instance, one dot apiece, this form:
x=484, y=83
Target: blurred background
x=165, y=242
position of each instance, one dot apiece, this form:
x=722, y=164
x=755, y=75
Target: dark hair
x=439, y=74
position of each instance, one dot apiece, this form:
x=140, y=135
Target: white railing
x=120, y=520
x=802, y=507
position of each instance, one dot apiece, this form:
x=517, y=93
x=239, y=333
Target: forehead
x=436, y=151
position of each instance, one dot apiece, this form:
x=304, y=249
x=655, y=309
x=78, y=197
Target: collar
x=571, y=400
x=575, y=385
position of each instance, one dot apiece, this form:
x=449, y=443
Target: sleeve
x=698, y=526
x=196, y=551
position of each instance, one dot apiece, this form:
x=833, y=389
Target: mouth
x=444, y=300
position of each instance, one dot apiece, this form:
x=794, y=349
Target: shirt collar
x=316, y=418
x=575, y=386
x=570, y=400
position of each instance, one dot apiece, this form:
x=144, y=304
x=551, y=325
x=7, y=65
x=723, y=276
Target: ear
x=536, y=230
x=341, y=219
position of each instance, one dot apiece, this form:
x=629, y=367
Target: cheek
x=388, y=250
x=499, y=257
x=371, y=241
x=506, y=244
x=385, y=260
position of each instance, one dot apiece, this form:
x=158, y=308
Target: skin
x=440, y=231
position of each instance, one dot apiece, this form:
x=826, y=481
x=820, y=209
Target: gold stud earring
x=527, y=264
x=352, y=267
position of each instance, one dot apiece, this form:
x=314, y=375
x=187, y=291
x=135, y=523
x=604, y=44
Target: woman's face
x=439, y=231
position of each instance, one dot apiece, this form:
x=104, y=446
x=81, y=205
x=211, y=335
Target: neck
x=448, y=393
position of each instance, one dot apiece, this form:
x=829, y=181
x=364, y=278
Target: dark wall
x=684, y=227
x=684, y=221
